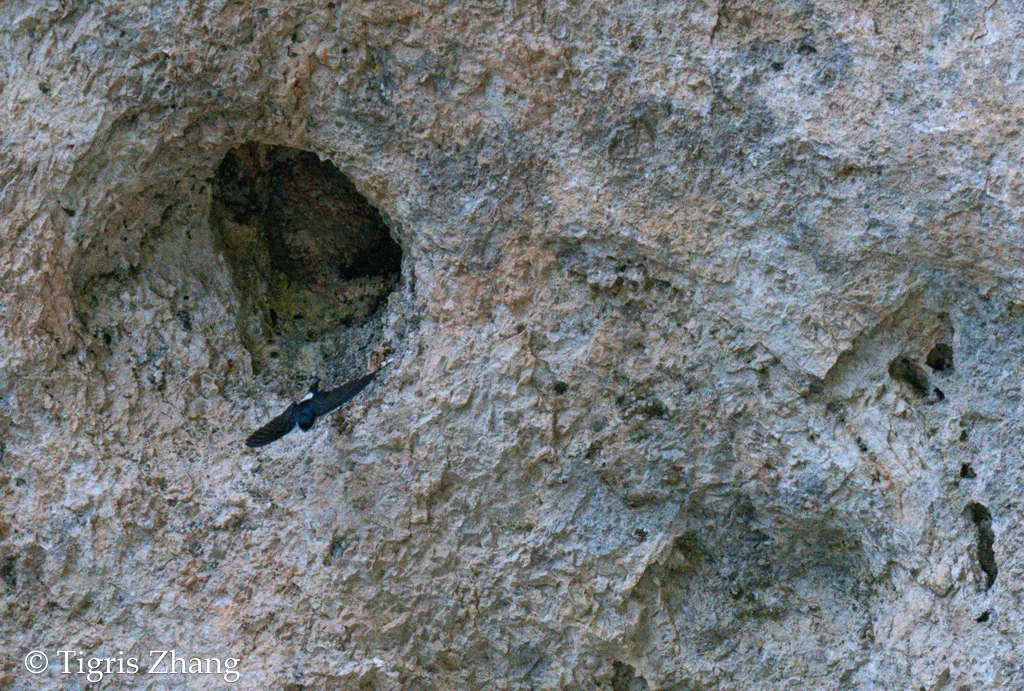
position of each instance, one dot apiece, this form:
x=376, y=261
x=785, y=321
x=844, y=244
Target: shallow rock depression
x=702, y=328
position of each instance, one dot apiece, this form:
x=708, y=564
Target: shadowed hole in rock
x=313, y=262
x=940, y=358
x=908, y=372
x=625, y=678
x=982, y=519
x=336, y=550
x=8, y=573
x=967, y=471
x=653, y=409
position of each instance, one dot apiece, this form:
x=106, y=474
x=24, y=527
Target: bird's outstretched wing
x=273, y=430
x=326, y=401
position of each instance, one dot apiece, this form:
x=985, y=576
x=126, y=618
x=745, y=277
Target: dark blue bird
x=305, y=412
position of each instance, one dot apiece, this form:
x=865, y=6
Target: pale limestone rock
x=669, y=402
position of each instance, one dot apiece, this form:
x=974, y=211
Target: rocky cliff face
x=704, y=342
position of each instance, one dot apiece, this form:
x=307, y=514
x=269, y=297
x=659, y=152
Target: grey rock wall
x=705, y=357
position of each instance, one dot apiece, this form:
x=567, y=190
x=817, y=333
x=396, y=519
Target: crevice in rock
x=982, y=518
x=336, y=550
x=909, y=373
x=313, y=262
x=625, y=678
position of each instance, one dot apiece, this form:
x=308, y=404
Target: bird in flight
x=305, y=412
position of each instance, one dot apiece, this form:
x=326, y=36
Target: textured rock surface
x=706, y=356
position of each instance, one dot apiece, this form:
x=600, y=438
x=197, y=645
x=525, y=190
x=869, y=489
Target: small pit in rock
x=940, y=358
x=626, y=678
x=313, y=262
x=910, y=374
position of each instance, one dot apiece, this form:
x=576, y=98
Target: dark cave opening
x=315, y=223
x=313, y=262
